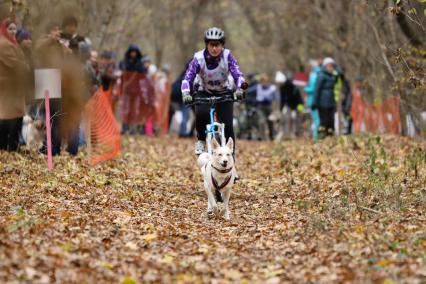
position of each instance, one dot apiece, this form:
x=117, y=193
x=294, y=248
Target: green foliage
x=21, y=220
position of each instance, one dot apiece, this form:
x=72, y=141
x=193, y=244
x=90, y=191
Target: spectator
x=310, y=90
x=177, y=104
x=69, y=36
x=26, y=43
x=12, y=97
x=51, y=53
x=89, y=59
x=347, y=104
x=266, y=93
x=324, y=97
x=133, y=60
x=252, y=80
x=291, y=106
x=149, y=66
x=137, y=91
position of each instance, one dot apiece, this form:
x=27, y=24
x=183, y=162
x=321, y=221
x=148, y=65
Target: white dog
x=33, y=132
x=219, y=176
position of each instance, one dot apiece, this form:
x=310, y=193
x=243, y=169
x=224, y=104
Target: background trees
x=384, y=40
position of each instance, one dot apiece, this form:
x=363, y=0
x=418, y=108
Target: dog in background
x=219, y=176
x=33, y=132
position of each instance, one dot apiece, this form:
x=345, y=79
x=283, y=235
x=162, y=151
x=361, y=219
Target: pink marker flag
x=48, y=131
x=48, y=86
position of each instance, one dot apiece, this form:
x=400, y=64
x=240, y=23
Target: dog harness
x=225, y=182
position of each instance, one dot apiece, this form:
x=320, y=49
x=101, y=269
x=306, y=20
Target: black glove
x=186, y=98
x=239, y=94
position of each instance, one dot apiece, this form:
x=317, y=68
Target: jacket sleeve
x=310, y=88
x=235, y=71
x=317, y=92
x=190, y=74
x=12, y=59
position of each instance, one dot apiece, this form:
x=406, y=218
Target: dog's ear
x=215, y=144
x=230, y=144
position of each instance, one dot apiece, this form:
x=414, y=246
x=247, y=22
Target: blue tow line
x=211, y=130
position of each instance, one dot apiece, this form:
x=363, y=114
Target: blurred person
x=291, y=106
x=69, y=35
x=252, y=81
x=13, y=67
x=310, y=90
x=149, y=66
x=266, y=93
x=213, y=64
x=162, y=88
x=89, y=59
x=92, y=69
x=152, y=74
x=137, y=91
x=177, y=105
x=51, y=53
x=25, y=41
x=108, y=62
x=107, y=73
x=347, y=104
x=324, y=97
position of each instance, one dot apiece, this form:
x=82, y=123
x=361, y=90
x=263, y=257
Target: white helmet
x=214, y=34
x=328, y=60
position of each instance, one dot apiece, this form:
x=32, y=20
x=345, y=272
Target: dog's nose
x=225, y=162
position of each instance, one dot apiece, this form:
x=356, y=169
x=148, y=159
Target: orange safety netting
x=102, y=130
x=383, y=118
x=138, y=98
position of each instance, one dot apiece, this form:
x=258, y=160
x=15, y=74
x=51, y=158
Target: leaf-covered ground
x=344, y=210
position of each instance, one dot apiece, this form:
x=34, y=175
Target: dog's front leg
x=225, y=211
x=212, y=206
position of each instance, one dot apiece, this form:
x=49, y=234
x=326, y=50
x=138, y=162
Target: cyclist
x=212, y=66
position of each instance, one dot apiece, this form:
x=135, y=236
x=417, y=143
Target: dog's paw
x=210, y=214
x=215, y=210
x=225, y=214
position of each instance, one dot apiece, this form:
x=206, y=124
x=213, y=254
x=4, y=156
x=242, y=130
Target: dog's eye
x=220, y=155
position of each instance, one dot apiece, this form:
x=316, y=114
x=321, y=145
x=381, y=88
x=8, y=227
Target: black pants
x=326, y=121
x=9, y=133
x=266, y=109
x=224, y=114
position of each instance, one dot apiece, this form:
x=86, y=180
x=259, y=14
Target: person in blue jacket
x=309, y=89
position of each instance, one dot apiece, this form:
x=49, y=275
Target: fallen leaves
x=296, y=215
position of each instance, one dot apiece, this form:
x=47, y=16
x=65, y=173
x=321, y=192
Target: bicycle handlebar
x=217, y=99
x=213, y=100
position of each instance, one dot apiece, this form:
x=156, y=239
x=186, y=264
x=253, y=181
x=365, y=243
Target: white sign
x=47, y=80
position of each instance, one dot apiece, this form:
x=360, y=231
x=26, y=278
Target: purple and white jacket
x=212, y=72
